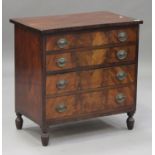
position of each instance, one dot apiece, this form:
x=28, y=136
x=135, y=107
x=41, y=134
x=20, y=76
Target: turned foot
x=19, y=122
x=44, y=138
x=130, y=120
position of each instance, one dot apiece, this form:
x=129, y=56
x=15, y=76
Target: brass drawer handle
x=121, y=75
x=61, y=108
x=61, y=62
x=121, y=54
x=62, y=42
x=120, y=98
x=61, y=84
x=122, y=36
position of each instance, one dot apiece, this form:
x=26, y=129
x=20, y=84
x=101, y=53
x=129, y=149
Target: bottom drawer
x=91, y=102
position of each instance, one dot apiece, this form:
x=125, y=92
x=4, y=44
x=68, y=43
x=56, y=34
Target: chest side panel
x=28, y=73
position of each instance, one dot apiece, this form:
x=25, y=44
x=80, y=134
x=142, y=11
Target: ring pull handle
x=61, y=62
x=122, y=36
x=121, y=75
x=61, y=108
x=61, y=84
x=120, y=98
x=121, y=54
x=62, y=42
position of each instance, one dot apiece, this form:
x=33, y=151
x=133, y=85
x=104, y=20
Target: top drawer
x=90, y=39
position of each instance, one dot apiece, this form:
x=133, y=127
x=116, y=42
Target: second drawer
x=81, y=58
x=91, y=79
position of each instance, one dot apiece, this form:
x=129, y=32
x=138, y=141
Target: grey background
x=105, y=135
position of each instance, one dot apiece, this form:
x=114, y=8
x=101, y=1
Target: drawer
x=92, y=57
x=90, y=39
x=90, y=79
x=122, y=54
x=76, y=58
x=90, y=102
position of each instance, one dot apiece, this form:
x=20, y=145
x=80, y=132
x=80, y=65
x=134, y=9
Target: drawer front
x=90, y=39
x=81, y=58
x=75, y=59
x=91, y=102
x=122, y=54
x=91, y=79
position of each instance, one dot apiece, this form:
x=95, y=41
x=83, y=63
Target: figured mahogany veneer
x=90, y=39
x=75, y=67
x=91, y=79
x=89, y=102
x=90, y=57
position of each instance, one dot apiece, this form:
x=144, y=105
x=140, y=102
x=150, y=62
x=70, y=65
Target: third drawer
x=90, y=79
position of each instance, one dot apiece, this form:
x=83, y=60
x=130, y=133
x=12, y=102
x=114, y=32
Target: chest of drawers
x=75, y=67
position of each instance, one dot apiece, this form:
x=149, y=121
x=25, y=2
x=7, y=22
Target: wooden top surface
x=75, y=21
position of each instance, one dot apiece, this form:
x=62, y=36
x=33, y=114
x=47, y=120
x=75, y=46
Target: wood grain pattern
x=71, y=85
x=130, y=74
x=91, y=57
x=94, y=38
x=77, y=40
x=51, y=61
x=77, y=58
x=28, y=74
x=88, y=103
x=129, y=93
x=70, y=103
x=91, y=79
x=92, y=102
x=131, y=54
x=81, y=58
x=75, y=21
x=131, y=34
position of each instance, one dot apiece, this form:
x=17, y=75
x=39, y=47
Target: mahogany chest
x=75, y=67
